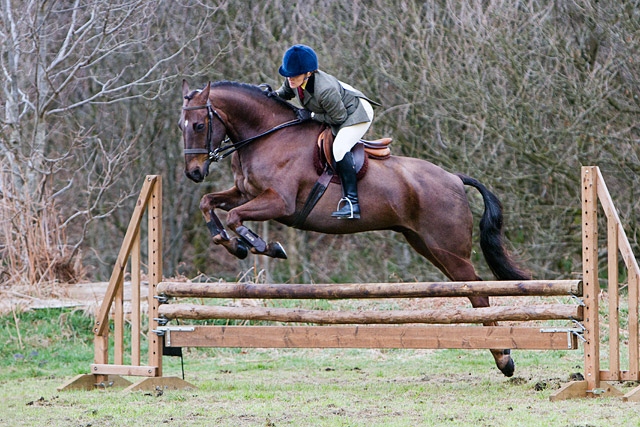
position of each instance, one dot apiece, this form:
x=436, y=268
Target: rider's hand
x=266, y=88
x=303, y=114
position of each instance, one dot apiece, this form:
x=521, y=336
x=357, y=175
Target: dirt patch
x=82, y=296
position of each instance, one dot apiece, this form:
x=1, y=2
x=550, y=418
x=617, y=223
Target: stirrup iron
x=337, y=214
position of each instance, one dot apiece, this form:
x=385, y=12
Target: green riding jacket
x=332, y=102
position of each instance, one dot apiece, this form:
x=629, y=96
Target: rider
x=327, y=100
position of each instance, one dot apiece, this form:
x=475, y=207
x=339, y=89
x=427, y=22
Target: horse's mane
x=251, y=89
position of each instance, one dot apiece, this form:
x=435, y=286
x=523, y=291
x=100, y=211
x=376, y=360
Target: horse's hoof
x=241, y=250
x=509, y=368
x=277, y=251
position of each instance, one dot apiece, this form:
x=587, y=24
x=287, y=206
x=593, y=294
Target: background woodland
x=518, y=94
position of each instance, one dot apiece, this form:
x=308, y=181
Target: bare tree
x=65, y=65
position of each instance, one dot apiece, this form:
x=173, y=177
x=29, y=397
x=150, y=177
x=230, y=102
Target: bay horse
x=272, y=159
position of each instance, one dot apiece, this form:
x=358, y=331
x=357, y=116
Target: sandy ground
x=83, y=296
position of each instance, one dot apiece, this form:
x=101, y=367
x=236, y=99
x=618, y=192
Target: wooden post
x=634, y=295
x=135, y=301
x=118, y=325
x=612, y=288
x=155, y=273
x=100, y=356
x=591, y=287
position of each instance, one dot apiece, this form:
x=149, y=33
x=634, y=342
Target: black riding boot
x=348, y=206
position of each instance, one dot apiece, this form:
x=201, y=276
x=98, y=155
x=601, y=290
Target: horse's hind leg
x=503, y=359
x=456, y=265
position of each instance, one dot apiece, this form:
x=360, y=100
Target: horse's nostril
x=195, y=175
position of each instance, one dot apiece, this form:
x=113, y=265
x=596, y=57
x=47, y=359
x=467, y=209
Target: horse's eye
x=198, y=127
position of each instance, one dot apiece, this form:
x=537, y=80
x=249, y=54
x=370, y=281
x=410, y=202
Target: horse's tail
x=499, y=260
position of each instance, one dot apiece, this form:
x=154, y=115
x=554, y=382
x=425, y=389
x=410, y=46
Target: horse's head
x=202, y=131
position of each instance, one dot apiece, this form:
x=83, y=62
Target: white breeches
x=348, y=136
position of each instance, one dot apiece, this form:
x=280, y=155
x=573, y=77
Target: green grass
x=35, y=343
x=310, y=387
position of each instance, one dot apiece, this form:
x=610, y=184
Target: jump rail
x=369, y=329
x=372, y=290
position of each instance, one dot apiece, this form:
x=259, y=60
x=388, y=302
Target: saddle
x=362, y=151
x=326, y=167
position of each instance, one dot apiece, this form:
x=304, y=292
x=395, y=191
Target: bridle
x=209, y=151
x=221, y=152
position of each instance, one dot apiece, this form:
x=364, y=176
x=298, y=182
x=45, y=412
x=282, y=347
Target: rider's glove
x=303, y=114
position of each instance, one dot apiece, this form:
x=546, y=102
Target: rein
x=223, y=152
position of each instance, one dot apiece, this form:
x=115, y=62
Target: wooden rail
x=407, y=337
x=371, y=290
x=326, y=317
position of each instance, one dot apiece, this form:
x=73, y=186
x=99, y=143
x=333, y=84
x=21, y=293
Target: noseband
x=221, y=152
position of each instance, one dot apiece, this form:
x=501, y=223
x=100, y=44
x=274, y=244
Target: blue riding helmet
x=298, y=59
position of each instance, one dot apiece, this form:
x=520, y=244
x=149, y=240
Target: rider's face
x=298, y=80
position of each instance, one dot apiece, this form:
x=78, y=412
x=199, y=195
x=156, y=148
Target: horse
x=273, y=160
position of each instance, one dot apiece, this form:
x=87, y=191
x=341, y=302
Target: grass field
x=42, y=349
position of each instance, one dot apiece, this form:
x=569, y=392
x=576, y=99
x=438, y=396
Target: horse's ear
x=185, y=88
x=205, y=91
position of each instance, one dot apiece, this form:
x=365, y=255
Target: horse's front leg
x=268, y=205
x=224, y=200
